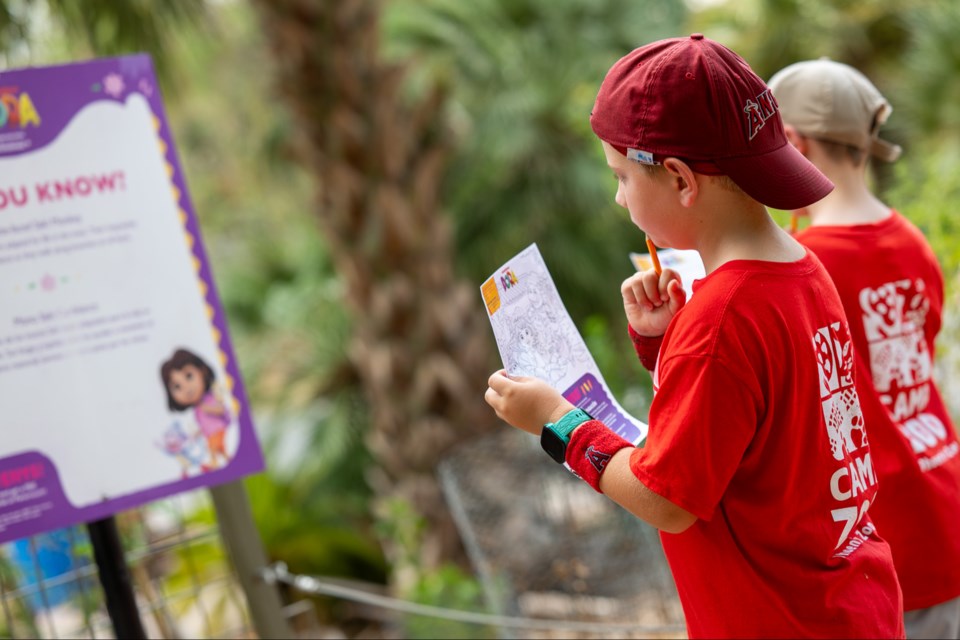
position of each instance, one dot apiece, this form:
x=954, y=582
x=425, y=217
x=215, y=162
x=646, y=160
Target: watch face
x=554, y=445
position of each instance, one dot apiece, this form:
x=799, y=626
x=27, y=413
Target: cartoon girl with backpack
x=189, y=382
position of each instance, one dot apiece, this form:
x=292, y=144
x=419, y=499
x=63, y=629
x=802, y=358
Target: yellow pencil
x=653, y=256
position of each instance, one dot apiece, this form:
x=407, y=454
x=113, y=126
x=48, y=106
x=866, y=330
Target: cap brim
x=782, y=178
x=886, y=151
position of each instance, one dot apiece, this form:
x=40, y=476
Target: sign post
x=115, y=579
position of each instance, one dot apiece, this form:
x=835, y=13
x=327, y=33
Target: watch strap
x=556, y=435
x=570, y=421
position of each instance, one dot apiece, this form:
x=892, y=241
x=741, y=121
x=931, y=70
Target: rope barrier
x=278, y=572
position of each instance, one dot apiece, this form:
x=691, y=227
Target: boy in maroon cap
x=756, y=467
x=894, y=301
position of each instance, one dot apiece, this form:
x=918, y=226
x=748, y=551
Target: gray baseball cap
x=833, y=101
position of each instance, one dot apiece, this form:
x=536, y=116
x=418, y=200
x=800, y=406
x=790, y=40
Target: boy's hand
x=525, y=402
x=650, y=301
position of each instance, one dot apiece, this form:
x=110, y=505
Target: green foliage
x=770, y=34
x=49, y=31
x=19, y=622
x=313, y=508
x=451, y=588
x=927, y=191
x=400, y=523
x=522, y=80
x=930, y=96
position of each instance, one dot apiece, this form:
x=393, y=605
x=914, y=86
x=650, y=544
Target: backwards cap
x=833, y=101
x=694, y=99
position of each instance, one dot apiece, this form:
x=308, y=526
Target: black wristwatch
x=556, y=435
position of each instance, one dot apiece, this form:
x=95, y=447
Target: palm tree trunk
x=421, y=346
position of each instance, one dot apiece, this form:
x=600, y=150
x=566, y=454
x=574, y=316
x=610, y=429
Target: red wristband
x=591, y=447
x=647, y=348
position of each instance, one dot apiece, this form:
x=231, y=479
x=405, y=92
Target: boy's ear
x=684, y=180
x=797, y=139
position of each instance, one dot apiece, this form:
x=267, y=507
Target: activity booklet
x=537, y=337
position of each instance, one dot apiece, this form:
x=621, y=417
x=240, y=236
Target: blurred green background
x=359, y=168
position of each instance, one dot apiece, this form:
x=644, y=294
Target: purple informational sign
x=118, y=382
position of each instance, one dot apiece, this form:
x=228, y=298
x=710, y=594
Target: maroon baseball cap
x=694, y=99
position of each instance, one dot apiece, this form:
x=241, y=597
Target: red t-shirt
x=755, y=428
x=891, y=286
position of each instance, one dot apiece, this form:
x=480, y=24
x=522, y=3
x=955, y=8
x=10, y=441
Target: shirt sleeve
x=702, y=420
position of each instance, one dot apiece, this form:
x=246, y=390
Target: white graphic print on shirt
x=894, y=315
x=854, y=483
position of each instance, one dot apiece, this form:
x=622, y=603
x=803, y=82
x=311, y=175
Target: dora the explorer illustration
x=189, y=382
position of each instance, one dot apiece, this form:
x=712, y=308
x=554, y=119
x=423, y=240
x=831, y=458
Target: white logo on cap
x=759, y=112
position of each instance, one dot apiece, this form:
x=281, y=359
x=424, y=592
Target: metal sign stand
x=239, y=533
x=115, y=578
